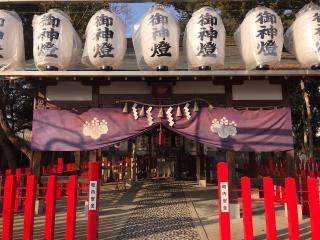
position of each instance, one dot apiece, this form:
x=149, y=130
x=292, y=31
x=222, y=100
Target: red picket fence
x=271, y=194
x=22, y=174
x=13, y=192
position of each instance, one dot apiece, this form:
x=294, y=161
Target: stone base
x=234, y=210
x=202, y=183
x=39, y=208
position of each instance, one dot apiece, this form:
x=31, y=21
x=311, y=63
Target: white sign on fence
x=224, y=197
x=93, y=195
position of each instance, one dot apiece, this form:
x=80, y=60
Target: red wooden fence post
x=18, y=190
x=314, y=207
x=291, y=198
x=304, y=187
x=93, y=210
x=269, y=208
x=8, y=207
x=223, y=196
x=60, y=168
x=50, y=208
x=246, y=208
x=29, y=208
x=72, y=205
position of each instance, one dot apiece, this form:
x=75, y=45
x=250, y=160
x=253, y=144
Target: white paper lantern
x=156, y=40
x=303, y=37
x=54, y=41
x=11, y=41
x=106, y=42
x=205, y=39
x=260, y=38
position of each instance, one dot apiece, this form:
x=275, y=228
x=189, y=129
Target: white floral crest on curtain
x=95, y=129
x=223, y=127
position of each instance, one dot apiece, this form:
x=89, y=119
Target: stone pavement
x=161, y=213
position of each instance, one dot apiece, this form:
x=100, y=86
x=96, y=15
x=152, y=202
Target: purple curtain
x=227, y=128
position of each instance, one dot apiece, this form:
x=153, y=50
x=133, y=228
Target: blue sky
x=137, y=10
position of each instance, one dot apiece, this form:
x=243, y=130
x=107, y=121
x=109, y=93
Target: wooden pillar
x=93, y=156
x=202, y=163
x=252, y=165
x=130, y=155
x=290, y=164
x=77, y=160
x=36, y=164
x=230, y=159
x=99, y=155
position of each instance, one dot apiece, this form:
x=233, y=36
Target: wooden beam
x=177, y=73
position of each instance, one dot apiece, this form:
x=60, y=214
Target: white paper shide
x=156, y=40
x=11, y=41
x=56, y=45
x=106, y=42
x=260, y=38
x=205, y=40
x=303, y=37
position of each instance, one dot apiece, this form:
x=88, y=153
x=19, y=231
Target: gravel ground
x=161, y=213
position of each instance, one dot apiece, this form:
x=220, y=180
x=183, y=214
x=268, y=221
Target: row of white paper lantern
x=156, y=40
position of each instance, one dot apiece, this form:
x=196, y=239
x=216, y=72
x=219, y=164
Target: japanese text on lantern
x=316, y=18
x=207, y=34
x=2, y=21
x=93, y=195
x=103, y=48
x=160, y=30
x=267, y=32
x=49, y=35
x=224, y=197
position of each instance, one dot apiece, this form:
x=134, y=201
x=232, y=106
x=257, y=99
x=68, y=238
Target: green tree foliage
x=233, y=12
x=79, y=13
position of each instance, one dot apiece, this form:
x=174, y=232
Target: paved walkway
x=161, y=213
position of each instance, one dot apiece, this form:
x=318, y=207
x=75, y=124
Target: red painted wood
x=8, y=207
x=27, y=171
x=29, y=209
x=283, y=195
x=278, y=193
x=8, y=172
x=269, y=208
x=93, y=215
x=314, y=207
x=224, y=217
x=60, y=168
x=293, y=223
x=49, y=169
x=247, y=208
x=17, y=206
x=304, y=187
x=72, y=206
x=50, y=208
x=60, y=165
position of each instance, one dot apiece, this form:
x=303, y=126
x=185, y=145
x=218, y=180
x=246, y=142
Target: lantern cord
x=165, y=105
